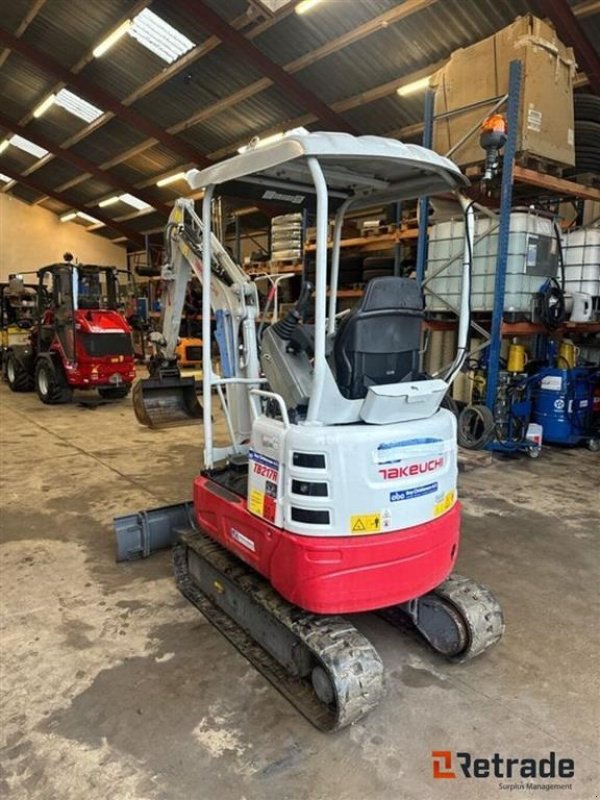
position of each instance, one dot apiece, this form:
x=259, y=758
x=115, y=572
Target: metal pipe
x=475, y=127
x=514, y=94
x=423, y=206
x=206, y=338
x=464, y=320
x=335, y=263
x=470, y=107
x=320, y=364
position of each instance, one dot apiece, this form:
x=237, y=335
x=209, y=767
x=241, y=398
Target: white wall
x=32, y=236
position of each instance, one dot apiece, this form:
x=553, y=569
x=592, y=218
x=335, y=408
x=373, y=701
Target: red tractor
x=78, y=340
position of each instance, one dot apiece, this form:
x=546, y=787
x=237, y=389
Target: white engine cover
x=356, y=479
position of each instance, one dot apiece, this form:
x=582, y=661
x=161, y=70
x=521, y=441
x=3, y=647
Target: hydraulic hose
x=552, y=304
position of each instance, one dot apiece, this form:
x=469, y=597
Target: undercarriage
x=322, y=664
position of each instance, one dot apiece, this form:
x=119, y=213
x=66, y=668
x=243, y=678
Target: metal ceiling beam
x=360, y=32
x=34, y=10
x=133, y=236
x=308, y=59
x=586, y=8
x=237, y=43
x=572, y=33
x=103, y=99
x=164, y=75
x=86, y=58
x=81, y=163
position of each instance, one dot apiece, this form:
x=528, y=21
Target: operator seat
x=379, y=341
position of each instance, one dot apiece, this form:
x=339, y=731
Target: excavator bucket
x=166, y=401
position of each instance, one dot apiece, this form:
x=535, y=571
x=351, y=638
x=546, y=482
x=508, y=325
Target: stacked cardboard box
x=480, y=72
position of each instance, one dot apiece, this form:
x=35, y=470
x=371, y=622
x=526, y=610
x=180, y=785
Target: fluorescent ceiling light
x=77, y=106
x=112, y=38
x=4, y=178
x=134, y=202
x=306, y=5
x=415, y=86
x=4, y=145
x=27, y=146
x=159, y=37
x=44, y=106
x=68, y=216
x=89, y=218
x=171, y=179
x=108, y=202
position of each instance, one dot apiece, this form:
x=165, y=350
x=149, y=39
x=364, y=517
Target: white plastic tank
x=581, y=255
x=532, y=258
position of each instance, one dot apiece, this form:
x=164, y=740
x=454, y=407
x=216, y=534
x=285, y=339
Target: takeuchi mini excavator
x=78, y=339
x=336, y=492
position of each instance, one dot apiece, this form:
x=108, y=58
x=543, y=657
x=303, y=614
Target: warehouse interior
x=300, y=399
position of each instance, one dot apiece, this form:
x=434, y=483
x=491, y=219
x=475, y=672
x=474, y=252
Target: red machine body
x=332, y=575
x=103, y=356
x=79, y=339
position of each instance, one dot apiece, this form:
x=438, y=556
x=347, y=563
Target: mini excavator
x=336, y=492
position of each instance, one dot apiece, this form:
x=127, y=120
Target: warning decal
x=365, y=523
x=256, y=502
x=445, y=504
x=263, y=486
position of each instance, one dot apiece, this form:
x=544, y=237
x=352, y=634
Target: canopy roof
x=369, y=168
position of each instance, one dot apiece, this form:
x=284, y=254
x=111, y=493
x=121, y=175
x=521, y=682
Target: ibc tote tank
x=532, y=258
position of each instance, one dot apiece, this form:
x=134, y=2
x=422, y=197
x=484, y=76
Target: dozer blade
x=163, y=402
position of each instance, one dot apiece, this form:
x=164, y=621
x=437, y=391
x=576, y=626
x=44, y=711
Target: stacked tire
x=287, y=237
x=587, y=134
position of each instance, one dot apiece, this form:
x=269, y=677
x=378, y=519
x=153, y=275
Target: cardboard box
x=481, y=72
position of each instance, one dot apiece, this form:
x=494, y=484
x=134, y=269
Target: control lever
x=285, y=327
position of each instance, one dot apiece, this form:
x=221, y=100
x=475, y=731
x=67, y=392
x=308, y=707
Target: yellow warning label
x=256, y=502
x=365, y=523
x=445, y=504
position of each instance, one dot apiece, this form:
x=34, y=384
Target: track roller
x=323, y=665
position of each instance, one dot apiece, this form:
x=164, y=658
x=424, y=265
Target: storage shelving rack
x=511, y=173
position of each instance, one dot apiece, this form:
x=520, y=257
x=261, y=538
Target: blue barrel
x=562, y=404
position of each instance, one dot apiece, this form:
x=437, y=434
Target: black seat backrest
x=379, y=340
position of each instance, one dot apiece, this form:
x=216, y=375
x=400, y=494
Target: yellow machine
x=189, y=353
x=18, y=302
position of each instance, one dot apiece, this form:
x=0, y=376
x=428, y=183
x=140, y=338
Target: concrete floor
x=114, y=687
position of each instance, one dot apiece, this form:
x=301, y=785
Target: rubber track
x=474, y=605
x=478, y=608
x=350, y=661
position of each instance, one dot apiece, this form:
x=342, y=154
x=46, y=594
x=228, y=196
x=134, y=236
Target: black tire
x=17, y=376
x=50, y=383
x=114, y=392
x=587, y=107
x=475, y=427
x=369, y=274
x=379, y=263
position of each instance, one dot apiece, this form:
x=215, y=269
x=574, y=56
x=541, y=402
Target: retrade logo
x=446, y=764
x=442, y=764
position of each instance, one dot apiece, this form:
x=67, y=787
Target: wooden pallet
x=544, y=166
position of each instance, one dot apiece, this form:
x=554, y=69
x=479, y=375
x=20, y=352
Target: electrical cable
x=561, y=259
x=551, y=304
